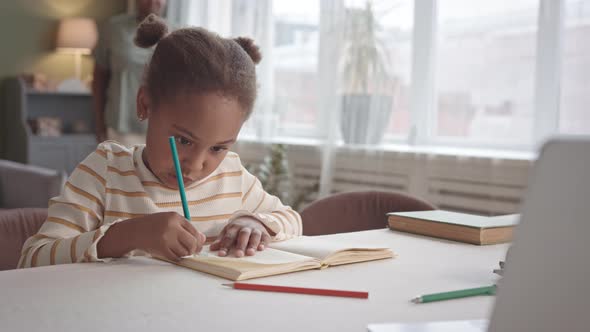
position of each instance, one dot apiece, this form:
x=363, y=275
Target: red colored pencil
x=299, y=290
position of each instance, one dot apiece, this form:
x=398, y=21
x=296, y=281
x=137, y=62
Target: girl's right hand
x=167, y=235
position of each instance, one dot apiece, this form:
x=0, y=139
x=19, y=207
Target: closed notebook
x=463, y=227
x=302, y=253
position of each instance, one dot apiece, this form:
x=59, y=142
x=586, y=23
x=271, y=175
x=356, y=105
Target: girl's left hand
x=245, y=235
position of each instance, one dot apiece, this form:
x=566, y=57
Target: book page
x=268, y=256
x=464, y=219
x=507, y=219
x=321, y=247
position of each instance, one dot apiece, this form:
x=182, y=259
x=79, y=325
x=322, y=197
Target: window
x=575, y=81
x=294, y=65
x=295, y=57
x=395, y=19
x=485, y=72
x=462, y=74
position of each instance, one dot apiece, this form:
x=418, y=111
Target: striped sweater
x=113, y=184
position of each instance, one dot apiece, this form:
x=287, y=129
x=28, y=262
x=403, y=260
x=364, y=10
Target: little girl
x=199, y=88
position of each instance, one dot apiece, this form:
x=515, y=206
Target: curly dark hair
x=196, y=60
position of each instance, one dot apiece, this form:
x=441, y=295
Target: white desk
x=147, y=295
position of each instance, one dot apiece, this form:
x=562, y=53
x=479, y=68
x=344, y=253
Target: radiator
x=477, y=185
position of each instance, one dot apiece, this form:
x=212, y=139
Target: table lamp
x=77, y=36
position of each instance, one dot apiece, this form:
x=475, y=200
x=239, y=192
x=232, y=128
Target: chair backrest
x=16, y=226
x=356, y=211
x=24, y=185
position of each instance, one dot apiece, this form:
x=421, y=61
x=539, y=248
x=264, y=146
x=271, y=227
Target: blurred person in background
x=118, y=70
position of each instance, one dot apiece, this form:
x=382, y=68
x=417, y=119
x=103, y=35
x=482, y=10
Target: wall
x=27, y=32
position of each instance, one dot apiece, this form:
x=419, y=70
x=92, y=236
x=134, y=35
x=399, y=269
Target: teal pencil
x=187, y=214
x=488, y=290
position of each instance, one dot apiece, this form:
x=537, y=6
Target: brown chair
x=356, y=211
x=16, y=226
x=24, y=193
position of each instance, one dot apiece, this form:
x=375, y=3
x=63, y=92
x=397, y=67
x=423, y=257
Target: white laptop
x=546, y=286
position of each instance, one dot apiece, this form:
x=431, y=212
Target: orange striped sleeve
x=281, y=219
x=73, y=251
x=121, y=214
x=200, y=201
x=131, y=172
x=53, y=252
x=196, y=186
x=35, y=255
x=66, y=223
x=95, y=237
x=211, y=218
x=69, y=208
x=76, y=212
x=23, y=259
x=85, y=194
x=284, y=219
x=126, y=193
x=122, y=154
x=296, y=219
x=262, y=198
x=217, y=177
x=157, y=185
x=248, y=191
x=93, y=173
x=101, y=153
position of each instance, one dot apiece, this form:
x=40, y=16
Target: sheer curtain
x=326, y=77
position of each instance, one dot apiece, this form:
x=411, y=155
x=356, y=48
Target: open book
x=302, y=253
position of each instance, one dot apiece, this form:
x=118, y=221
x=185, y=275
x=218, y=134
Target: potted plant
x=276, y=178
x=366, y=101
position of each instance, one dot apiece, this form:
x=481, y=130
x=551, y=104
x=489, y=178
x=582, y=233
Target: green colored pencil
x=187, y=214
x=488, y=290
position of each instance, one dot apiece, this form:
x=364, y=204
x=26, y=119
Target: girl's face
x=204, y=125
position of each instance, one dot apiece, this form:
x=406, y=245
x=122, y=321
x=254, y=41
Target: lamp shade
x=76, y=34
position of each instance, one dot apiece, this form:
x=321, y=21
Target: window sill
x=431, y=150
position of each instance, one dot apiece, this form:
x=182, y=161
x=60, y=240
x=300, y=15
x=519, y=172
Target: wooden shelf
x=62, y=152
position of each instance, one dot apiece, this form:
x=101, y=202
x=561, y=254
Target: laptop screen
x=547, y=280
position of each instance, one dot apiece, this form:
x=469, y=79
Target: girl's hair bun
x=150, y=31
x=248, y=45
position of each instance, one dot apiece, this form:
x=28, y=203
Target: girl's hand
x=244, y=235
x=169, y=235
x=166, y=234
